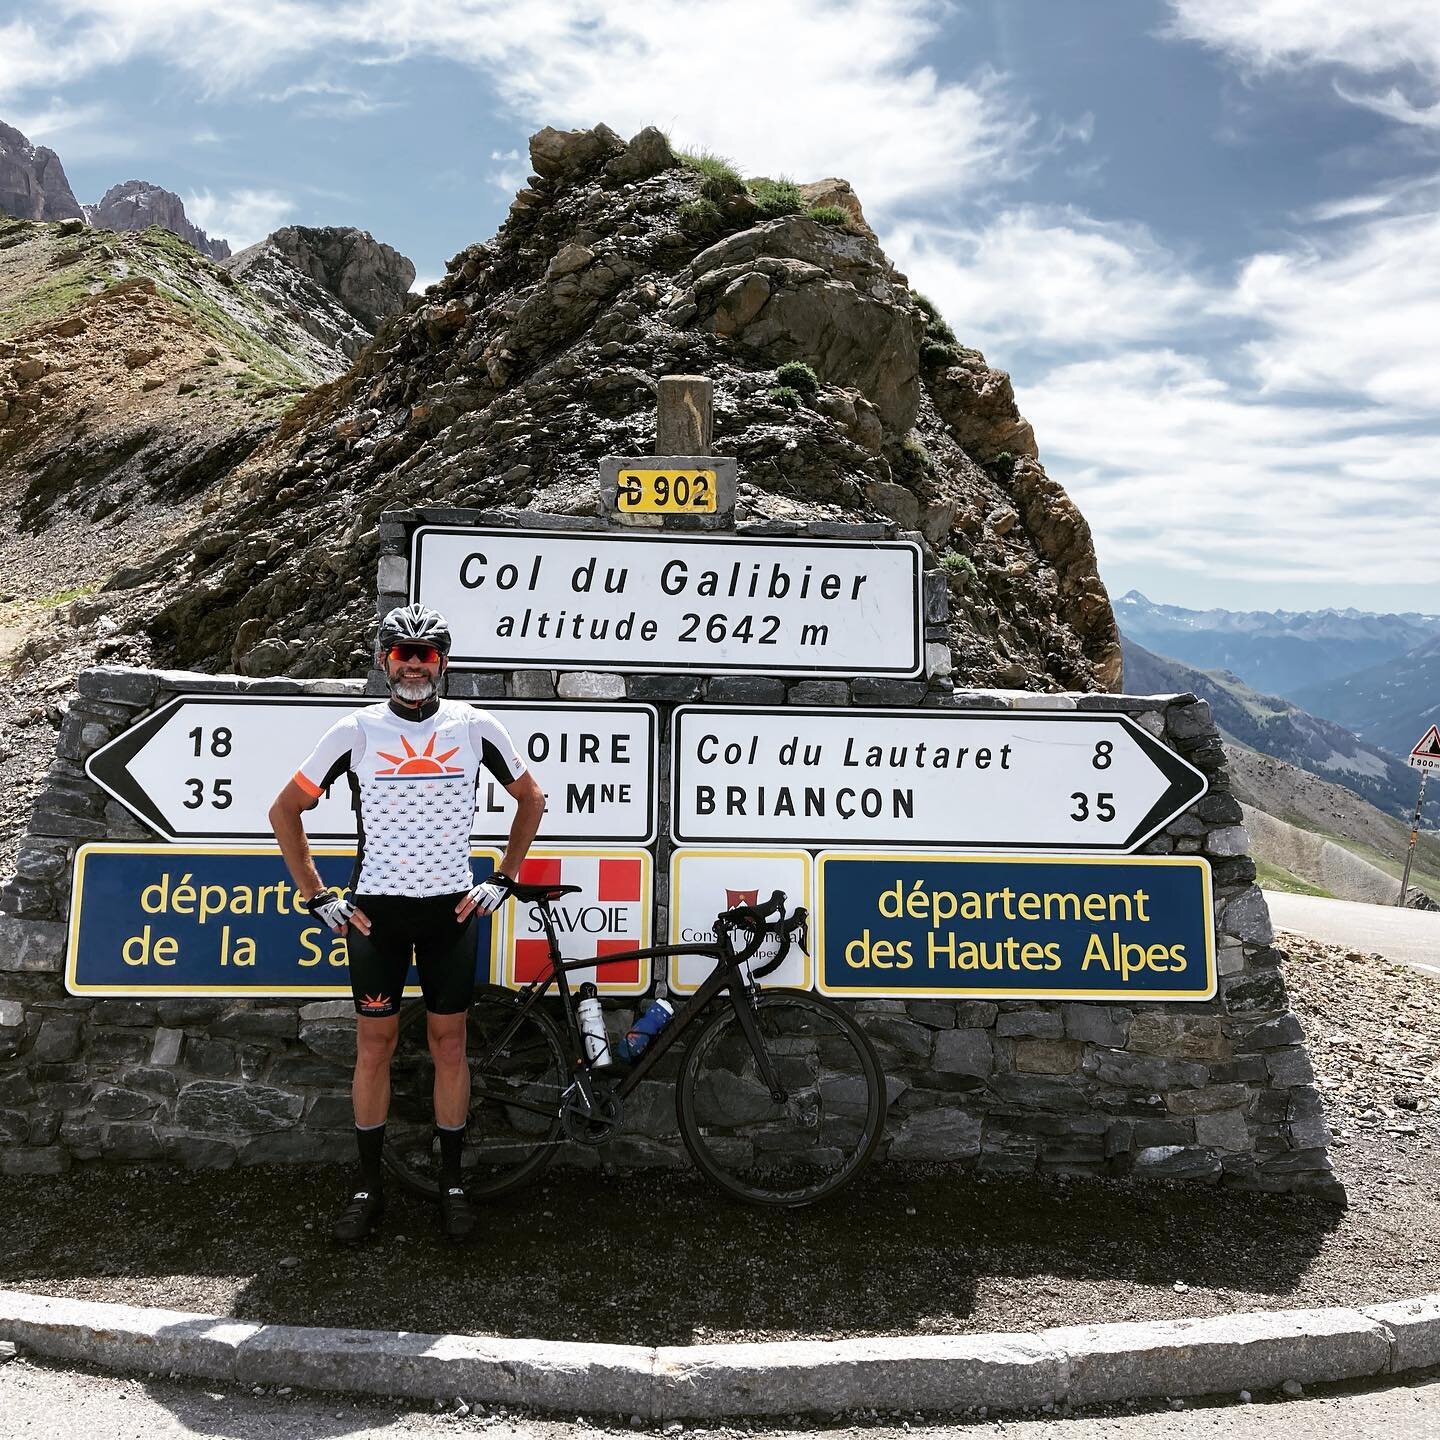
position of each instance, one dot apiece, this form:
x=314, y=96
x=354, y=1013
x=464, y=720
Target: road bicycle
x=779, y=1096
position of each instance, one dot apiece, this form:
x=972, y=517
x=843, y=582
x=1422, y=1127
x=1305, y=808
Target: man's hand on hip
x=334, y=910
x=486, y=898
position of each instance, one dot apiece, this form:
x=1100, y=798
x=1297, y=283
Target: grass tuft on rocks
x=957, y=566
x=712, y=166
x=699, y=217
x=798, y=376
x=917, y=458
x=935, y=326
x=831, y=215
x=786, y=396
x=774, y=198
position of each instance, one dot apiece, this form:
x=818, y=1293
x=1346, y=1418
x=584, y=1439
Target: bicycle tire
x=791, y=1153
x=507, y=1144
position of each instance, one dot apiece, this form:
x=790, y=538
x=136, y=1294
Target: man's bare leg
x=446, y=1034
x=375, y=1037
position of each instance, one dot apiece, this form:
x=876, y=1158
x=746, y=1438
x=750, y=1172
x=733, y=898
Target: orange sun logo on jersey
x=419, y=762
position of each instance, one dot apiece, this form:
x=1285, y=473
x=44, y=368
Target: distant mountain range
x=1391, y=704
x=33, y=186
x=1377, y=675
x=1279, y=652
x=1277, y=727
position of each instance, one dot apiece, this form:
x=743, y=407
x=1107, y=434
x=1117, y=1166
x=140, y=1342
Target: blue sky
x=1202, y=235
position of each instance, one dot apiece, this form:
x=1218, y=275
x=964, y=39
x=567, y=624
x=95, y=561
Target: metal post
x=685, y=412
x=1414, y=835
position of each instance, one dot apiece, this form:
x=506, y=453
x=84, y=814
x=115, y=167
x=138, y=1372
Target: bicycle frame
x=726, y=975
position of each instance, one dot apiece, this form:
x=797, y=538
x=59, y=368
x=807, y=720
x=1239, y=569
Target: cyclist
x=413, y=764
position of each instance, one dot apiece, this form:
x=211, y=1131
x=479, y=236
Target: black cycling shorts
x=403, y=928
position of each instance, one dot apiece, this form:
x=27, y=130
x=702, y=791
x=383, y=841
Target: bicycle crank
x=591, y=1121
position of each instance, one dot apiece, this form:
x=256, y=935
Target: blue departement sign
x=222, y=920
x=1020, y=927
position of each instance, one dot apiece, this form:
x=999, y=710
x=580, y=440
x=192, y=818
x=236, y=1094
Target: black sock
x=451, y=1142
x=370, y=1141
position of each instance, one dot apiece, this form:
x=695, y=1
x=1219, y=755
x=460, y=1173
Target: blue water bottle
x=644, y=1030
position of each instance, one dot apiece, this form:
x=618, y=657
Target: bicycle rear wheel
x=809, y=1143
x=513, y=1128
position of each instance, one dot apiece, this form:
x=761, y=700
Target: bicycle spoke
x=805, y=1143
x=515, y=1092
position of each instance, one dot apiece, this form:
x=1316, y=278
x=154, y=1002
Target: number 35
x=1104, y=809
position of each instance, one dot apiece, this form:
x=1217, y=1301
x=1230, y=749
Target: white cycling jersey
x=412, y=785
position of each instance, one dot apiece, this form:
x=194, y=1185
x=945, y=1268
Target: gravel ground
x=658, y=1258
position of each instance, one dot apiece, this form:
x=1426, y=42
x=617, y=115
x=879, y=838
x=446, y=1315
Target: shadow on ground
x=660, y=1258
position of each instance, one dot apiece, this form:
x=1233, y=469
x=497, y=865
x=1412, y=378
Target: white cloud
x=1359, y=317
x=809, y=87
x=1049, y=278
x=1398, y=38
x=509, y=170
x=1281, y=33
x=1176, y=466
x=79, y=132
x=326, y=99
x=240, y=216
x=1277, y=424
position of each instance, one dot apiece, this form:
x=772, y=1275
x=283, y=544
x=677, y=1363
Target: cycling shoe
x=457, y=1216
x=360, y=1217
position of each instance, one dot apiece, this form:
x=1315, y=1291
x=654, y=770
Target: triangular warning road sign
x=1430, y=744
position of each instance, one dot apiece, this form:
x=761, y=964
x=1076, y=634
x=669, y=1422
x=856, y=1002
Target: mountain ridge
x=1278, y=652
x=1276, y=726
x=540, y=351
x=139, y=204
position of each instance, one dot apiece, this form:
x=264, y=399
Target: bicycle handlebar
x=756, y=919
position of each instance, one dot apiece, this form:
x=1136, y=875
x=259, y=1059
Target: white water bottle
x=592, y=1026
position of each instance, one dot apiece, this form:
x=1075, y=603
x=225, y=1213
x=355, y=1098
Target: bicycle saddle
x=528, y=894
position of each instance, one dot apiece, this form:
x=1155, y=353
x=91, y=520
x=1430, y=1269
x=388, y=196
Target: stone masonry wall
x=1218, y=1091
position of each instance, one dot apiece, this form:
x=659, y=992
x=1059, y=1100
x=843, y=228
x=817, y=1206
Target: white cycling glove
x=491, y=895
x=331, y=907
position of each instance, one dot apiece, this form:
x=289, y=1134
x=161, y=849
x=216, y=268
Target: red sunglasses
x=425, y=654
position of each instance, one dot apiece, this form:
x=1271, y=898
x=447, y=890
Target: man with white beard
x=413, y=764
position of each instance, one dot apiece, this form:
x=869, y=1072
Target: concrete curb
x=1078, y=1364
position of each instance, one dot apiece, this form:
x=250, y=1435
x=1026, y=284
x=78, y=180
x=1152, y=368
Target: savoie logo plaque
x=523, y=599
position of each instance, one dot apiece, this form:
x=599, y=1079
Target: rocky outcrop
x=838, y=194
x=137, y=205
x=32, y=181
x=369, y=279
x=539, y=352
x=978, y=404
x=792, y=289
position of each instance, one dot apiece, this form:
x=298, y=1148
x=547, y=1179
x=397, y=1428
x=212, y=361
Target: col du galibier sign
x=522, y=599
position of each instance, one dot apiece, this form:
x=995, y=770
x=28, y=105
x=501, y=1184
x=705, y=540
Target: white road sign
x=705, y=882
x=1426, y=755
x=207, y=767
x=519, y=599
x=1051, y=781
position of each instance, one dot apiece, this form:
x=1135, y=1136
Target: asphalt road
x=42, y=1401
x=1411, y=937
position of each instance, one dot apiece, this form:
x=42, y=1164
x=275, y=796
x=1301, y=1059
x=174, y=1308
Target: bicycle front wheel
x=518, y=1072
x=804, y=1140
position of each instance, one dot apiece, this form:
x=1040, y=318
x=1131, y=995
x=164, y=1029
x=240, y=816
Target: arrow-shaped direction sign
x=206, y=767
x=1049, y=781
